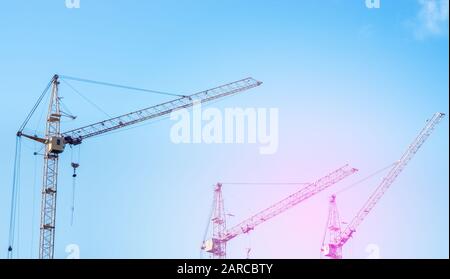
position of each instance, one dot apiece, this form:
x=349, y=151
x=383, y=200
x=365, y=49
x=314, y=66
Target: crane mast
x=50, y=177
x=216, y=245
x=385, y=184
x=219, y=223
x=332, y=232
x=55, y=142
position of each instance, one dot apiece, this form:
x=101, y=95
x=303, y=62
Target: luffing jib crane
x=55, y=142
x=217, y=244
x=338, y=238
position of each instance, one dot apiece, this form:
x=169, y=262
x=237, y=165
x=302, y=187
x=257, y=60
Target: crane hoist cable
x=75, y=164
x=14, y=198
x=33, y=215
x=324, y=237
x=74, y=176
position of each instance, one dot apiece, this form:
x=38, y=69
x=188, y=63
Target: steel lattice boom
x=78, y=135
x=385, y=184
x=289, y=202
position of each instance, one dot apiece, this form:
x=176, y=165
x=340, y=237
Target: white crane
x=55, y=141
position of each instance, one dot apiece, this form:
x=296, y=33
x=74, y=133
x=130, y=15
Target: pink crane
x=337, y=238
x=217, y=244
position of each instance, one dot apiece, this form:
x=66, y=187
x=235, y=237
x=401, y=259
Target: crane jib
x=76, y=136
x=289, y=202
x=390, y=178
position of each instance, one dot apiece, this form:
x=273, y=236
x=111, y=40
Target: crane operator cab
x=55, y=145
x=211, y=245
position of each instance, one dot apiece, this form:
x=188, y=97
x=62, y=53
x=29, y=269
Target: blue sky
x=352, y=85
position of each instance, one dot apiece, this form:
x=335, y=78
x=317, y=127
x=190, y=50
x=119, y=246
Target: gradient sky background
x=353, y=85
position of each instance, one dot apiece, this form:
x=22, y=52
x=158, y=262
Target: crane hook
x=75, y=166
x=74, y=175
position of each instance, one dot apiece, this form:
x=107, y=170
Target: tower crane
x=55, y=142
x=338, y=238
x=221, y=235
x=333, y=227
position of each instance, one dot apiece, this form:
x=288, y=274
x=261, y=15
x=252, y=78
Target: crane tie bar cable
x=121, y=86
x=36, y=105
x=86, y=99
x=366, y=178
